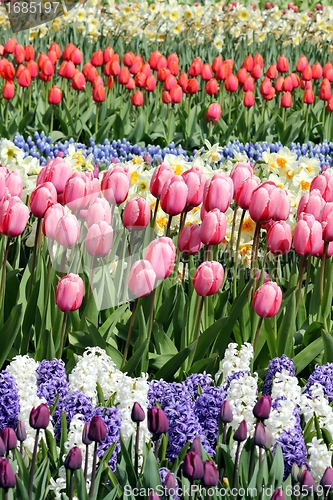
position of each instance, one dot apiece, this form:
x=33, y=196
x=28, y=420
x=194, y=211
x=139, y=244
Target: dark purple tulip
x=241, y=433
x=97, y=430
x=2, y=447
x=73, y=461
x=226, y=415
x=85, y=432
x=21, y=433
x=157, y=420
x=193, y=466
x=259, y=437
x=40, y=417
x=9, y=438
x=327, y=480
x=278, y=494
x=7, y=476
x=137, y=415
x=308, y=485
x=263, y=407
x=210, y=476
x=196, y=446
x=169, y=483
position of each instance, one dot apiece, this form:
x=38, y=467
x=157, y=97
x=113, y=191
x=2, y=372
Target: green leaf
x=9, y=332
x=151, y=476
x=304, y=357
x=287, y=328
x=172, y=366
x=328, y=346
x=135, y=359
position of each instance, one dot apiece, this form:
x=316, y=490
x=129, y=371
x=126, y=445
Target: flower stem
x=86, y=461
x=33, y=463
x=169, y=225
x=300, y=281
x=93, y=472
x=34, y=254
x=129, y=335
x=155, y=212
x=136, y=449
x=236, y=252
x=256, y=337
x=71, y=486
x=234, y=481
x=322, y=270
x=3, y=280
x=62, y=337
x=151, y=315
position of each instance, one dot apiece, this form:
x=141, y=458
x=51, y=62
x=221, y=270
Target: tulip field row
x=158, y=100
x=166, y=242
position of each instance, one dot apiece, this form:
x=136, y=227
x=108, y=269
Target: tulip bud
x=2, y=448
x=226, y=415
x=210, y=476
x=196, y=446
x=249, y=99
x=308, y=485
x=193, y=467
x=213, y=113
x=208, y=278
x=8, y=91
x=262, y=407
x=231, y=83
x=137, y=415
x=267, y=300
x=55, y=95
x=278, y=494
x=161, y=254
x=213, y=227
x=282, y=64
x=99, y=239
x=259, y=437
x=153, y=496
x=308, y=97
x=137, y=98
x=327, y=480
x=157, y=421
x=174, y=195
x=189, y=240
x=73, y=460
x=169, y=484
x=39, y=417
x=97, y=430
x=7, y=476
x=9, y=438
x=241, y=432
x=136, y=215
x=286, y=101
x=69, y=293
x=279, y=238
x=85, y=432
x=212, y=87
x=142, y=278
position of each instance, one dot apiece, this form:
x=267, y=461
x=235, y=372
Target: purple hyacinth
x=112, y=419
x=292, y=442
x=322, y=375
x=277, y=365
x=52, y=380
x=196, y=380
x=72, y=404
x=235, y=376
x=163, y=474
x=9, y=401
x=208, y=408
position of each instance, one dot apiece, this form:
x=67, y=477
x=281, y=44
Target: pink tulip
x=267, y=300
x=42, y=197
x=161, y=174
x=307, y=235
x=269, y=202
x=213, y=227
x=99, y=210
x=279, y=238
x=136, y=214
x=239, y=173
x=323, y=183
x=14, y=183
x=189, y=240
x=99, y=239
x=142, y=278
x=208, y=278
x=161, y=253
x=14, y=215
x=311, y=203
x=195, y=180
x=174, y=195
x=69, y=293
x=3, y=174
x=51, y=218
x=218, y=192
x=76, y=191
x=67, y=231
x=244, y=193
x=115, y=185
x=56, y=171
x=327, y=226
x=266, y=276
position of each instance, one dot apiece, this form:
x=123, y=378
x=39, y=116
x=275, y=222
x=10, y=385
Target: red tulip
x=97, y=58
x=176, y=94
x=29, y=53
x=131, y=84
x=67, y=51
x=279, y=84
x=248, y=63
x=192, y=86
x=24, y=80
x=166, y=97
x=329, y=105
x=272, y=72
x=256, y=71
x=288, y=84
x=124, y=76
x=242, y=75
x=79, y=81
x=153, y=58
x=301, y=64
x=249, y=99
x=150, y=84
x=206, y=72
x=67, y=70
x=170, y=82
x=286, y=101
x=128, y=58
x=307, y=73
x=267, y=300
x=308, y=97
x=137, y=98
x=33, y=68
x=282, y=64
x=266, y=86
x=208, y=278
x=216, y=63
x=69, y=293
x=107, y=54
x=8, y=90
x=55, y=95
x=213, y=113
x=317, y=71
x=19, y=53
x=325, y=90
x=212, y=87
x=231, y=83
x=76, y=56
x=9, y=46
x=249, y=84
